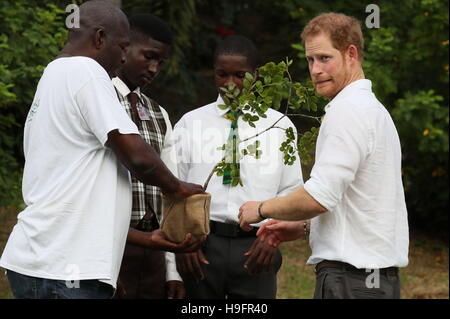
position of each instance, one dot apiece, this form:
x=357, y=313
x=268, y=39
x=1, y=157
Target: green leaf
x=246, y=83
x=226, y=100
x=259, y=85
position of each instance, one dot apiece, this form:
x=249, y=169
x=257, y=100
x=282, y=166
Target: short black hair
x=152, y=26
x=239, y=45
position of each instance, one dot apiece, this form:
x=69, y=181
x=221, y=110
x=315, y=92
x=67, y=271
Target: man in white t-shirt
x=360, y=235
x=79, y=146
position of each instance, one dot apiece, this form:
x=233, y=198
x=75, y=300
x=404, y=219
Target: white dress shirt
x=357, y=178
x=201, y=132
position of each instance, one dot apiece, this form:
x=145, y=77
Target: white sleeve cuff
x=171, y=268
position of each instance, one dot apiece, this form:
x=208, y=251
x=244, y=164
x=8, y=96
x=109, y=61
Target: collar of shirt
x=123, y=89
x=362, y=84
x=218, y=109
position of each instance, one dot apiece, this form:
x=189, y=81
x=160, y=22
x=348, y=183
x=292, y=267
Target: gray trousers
x=334, y=283
x=226, y=277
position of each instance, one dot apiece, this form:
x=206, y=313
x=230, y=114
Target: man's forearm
x=138, y=238
x=155, y=172
x=298, y=205
x=142, y=161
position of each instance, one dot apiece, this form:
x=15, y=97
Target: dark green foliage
x=31, y=34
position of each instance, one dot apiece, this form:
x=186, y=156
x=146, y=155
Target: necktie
x=133, y=98
x=232, y=158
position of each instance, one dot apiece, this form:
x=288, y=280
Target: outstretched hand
x=277, y=231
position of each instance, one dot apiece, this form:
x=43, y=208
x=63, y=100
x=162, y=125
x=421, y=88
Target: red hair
x=343, y=31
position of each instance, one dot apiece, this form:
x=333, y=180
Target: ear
x=99, y=38
x=352, y=53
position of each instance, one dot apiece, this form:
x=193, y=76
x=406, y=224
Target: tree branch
x=205, y=186
x=317, y=118
x=258, y=134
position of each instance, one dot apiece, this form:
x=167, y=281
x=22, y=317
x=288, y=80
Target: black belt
x=344, y=266
x=230, y=230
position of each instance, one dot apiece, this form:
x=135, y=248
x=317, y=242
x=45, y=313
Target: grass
x=426, y=277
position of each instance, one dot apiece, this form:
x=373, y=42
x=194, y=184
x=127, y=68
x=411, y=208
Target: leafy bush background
x=31, y=33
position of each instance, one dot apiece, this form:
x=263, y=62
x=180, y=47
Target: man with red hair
x=354, y=198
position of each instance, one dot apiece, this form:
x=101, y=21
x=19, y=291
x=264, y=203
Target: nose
x=229, y=80
x=315, y=68
x=153, y=66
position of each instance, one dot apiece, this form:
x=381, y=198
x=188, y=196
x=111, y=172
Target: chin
x=144, y=83
x=326, y=93
x=321, y=92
